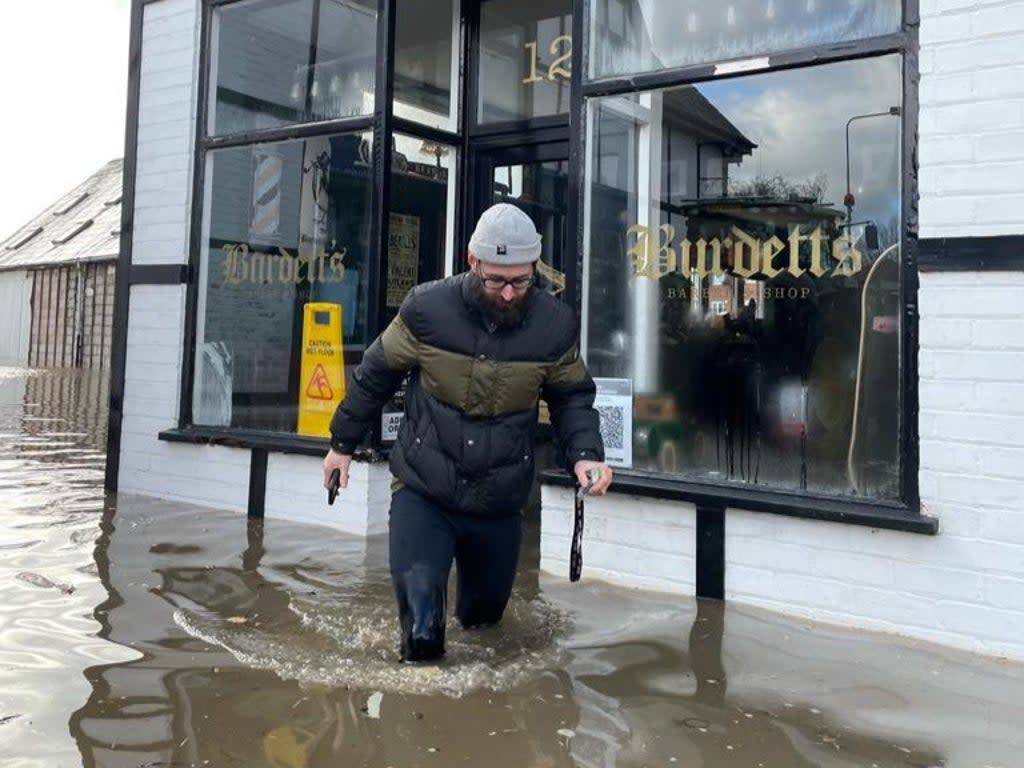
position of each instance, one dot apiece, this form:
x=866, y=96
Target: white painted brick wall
x=972, y=451
x=295, y=492
x=972, y=117
x=206, y=475
x=963, y=587
x=167, y=97
x=643, y=543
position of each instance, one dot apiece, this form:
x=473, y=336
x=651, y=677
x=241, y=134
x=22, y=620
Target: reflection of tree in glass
x=779, y=187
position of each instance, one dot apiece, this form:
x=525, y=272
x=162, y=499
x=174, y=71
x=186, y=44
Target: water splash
x=339, y=643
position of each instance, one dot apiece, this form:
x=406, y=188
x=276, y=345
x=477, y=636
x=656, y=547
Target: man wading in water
x=481, y=348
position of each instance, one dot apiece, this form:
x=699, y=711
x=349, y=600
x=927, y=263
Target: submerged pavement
x=139, y=632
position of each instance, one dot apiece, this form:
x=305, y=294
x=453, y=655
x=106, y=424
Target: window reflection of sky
x=645, y=35
x=798, y=120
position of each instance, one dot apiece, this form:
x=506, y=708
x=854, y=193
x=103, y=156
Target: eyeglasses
x=493, y=283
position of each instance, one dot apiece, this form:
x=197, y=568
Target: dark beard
x=504, y=315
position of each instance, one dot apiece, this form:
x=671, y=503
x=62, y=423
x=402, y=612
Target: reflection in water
x=52, y=429
x=189, y=636
x=673, y=702
x=269, y=652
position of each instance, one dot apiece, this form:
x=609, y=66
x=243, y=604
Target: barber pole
x=266, y=196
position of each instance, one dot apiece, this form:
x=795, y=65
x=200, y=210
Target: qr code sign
x=612, y=426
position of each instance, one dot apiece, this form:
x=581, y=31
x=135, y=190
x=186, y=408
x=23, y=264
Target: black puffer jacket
x=471, y=405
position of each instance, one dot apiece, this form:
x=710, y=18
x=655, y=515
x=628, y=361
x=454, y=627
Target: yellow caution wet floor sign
x=322, y=385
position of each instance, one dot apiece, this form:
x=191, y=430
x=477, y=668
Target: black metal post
x=119, y=337
x=711, y=552
x=257, y=482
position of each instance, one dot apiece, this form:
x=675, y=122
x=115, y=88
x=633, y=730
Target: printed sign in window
x=614, y=403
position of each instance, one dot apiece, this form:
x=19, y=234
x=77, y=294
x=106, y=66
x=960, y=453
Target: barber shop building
x=793, y=231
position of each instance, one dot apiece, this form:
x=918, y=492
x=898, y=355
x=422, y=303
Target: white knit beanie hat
x=505, y=235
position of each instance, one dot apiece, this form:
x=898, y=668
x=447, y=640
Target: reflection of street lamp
x=848, y=201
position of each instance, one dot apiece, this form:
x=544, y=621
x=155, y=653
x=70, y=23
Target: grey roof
x=84, y=225
x=688, y=107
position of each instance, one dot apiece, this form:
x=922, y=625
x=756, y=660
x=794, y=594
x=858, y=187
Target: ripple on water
x=346, y=643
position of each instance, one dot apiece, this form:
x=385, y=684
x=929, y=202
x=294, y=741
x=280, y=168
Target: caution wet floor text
x=322, y=383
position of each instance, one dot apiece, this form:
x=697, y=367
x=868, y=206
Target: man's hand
x=600, y=486
x=336, y=461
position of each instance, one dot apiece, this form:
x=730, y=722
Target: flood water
x=150, y=633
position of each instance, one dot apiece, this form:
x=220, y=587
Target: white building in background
x=57, y=279
x=794, y=236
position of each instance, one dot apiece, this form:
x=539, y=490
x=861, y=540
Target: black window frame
x=383, y=124
x=469, y=135
x=904, y=514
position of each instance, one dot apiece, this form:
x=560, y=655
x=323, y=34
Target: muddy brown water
x=138, y=632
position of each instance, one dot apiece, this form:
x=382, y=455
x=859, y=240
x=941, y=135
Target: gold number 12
x=555, y=69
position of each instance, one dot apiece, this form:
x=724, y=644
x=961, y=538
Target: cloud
x=65, y=65
x=798, y=120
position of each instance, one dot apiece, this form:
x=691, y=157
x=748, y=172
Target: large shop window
x=633, y=36
x=278, y=62
x=742, y=276
x=284, y=224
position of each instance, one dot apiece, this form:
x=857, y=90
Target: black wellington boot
x=479, y=614
x=422, y=605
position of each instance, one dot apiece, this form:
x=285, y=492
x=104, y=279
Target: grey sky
x=798, y=120
x=65, y=74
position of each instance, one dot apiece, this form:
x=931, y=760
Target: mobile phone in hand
x=332, y=485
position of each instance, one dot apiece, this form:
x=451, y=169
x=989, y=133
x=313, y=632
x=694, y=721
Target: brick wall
x=965, y=586
x=170, y=36
x=635, y=542
x=294, y=492
x=208, y=475
x=972, y=117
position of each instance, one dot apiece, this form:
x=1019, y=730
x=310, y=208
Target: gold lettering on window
x=746, y=254
x=653, y=254
x=771, y=248
x=561, y=49
x=703, y=268
x=850, y=259
x=533, y=77
x=553, y=276
x=556, y=69
x=242, y=265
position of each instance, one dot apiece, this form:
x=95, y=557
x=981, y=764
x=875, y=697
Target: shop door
x=534, y=177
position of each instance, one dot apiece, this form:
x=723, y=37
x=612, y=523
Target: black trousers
x=424, y=540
